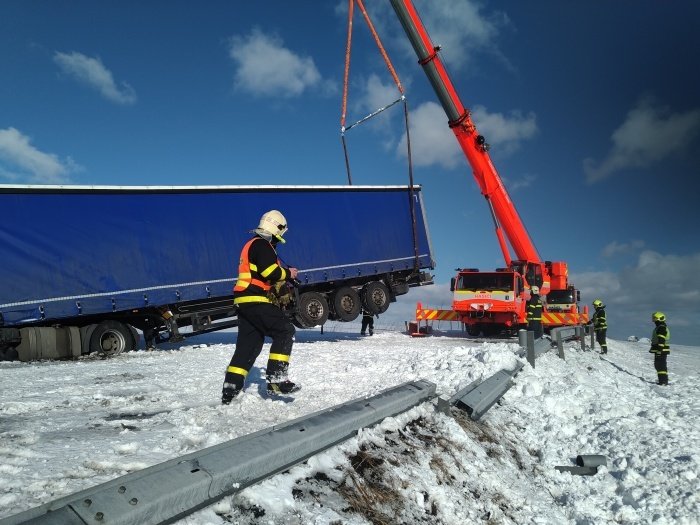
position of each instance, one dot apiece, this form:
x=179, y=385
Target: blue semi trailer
x=85, y=268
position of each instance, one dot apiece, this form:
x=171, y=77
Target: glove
x=280, y=294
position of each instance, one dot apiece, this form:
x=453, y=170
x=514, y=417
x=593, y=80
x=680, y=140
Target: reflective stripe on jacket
x=258, y=269
x=534, y=310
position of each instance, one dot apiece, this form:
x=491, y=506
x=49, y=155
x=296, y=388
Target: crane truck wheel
x=473, y=329
x=492, y=330
x=312, y=310
x=376, y=297
x=346, y=304
x=111, y=338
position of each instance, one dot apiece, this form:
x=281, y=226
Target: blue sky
x=592, y=110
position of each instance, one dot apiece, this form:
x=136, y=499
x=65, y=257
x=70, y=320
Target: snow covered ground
x=67, y=426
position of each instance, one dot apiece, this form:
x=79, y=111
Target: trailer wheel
x=111, y=338
x=346, y=304
x=313, y=309
x=376, y=297
x=297, y=321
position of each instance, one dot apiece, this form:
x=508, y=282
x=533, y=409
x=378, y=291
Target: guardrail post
x=531, y=348
x=522, y=338
x=592, y=332
x=560, y=344
x=580, y=333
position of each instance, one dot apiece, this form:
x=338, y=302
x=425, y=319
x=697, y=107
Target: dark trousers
x=535, y=326
x=367, y=322
x=661, y=368
x=255, y=321
x=600, y=336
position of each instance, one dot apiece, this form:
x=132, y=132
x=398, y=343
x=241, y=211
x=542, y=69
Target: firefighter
x=165, y=318
x=259, y=270
x=534, y=312
x=367, y=322
x=660, y=338
x=600, y=325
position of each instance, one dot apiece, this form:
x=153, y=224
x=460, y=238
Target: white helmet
x=535, y=290
x=273, y=224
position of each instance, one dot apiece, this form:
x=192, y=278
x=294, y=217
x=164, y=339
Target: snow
x=67, y=426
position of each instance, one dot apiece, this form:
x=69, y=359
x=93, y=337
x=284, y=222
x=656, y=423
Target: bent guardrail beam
x=476, y=398
x=166, y=492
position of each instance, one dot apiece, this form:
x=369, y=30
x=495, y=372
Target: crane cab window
x=534, y=274
x=475, y=282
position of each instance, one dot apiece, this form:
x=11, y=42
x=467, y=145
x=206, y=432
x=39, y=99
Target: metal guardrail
x=536, y=347
x=477, y=397
x=558, y=333
x=168, y=491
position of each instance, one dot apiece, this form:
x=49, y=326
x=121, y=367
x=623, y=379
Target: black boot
x=228, y=393
x=282, y=387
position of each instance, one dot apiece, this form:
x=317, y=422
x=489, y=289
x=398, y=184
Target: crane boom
x=490, y=302
x=472, y=143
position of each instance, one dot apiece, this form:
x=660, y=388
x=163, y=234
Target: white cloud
x=648, y=135
x=25, y=163
x=616, y=248
x=373, y=95
x=505, y=132
x=657, y=282
x=93, y=73
x=516, y=184
x=459, y=28
x=432, y=141
x=378, y=94
x=265, y=67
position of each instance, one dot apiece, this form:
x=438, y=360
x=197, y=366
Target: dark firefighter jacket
x=534, y=309
x=660, y=339
x=599, y=321
x=258, y=269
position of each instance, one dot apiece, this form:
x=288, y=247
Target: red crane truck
x=493, y=301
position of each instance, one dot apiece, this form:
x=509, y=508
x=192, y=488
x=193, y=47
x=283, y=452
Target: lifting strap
x=402, y=98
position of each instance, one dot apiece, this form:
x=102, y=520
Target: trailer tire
x=297, y=321
x=376, y=297
x=313, y=309
x=346, y=304
x=111, y=338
